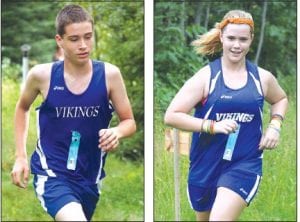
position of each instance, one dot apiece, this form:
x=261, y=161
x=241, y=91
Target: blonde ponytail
x=209, y=43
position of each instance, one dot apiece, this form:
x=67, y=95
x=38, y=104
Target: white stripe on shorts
x=100, y=167
x=254, y=189
x=43, y=160
x=39, y=148
x=40, y=189
x=188, y=195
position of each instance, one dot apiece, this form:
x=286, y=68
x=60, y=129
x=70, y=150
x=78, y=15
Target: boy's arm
x=20, y=172
x=109, y=138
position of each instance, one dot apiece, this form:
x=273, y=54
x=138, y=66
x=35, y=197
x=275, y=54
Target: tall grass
x=276, y=198
x=122, y=197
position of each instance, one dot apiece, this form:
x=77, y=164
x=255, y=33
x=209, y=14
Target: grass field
x=276, y=197
x=122, y=197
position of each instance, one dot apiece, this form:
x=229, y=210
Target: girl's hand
x=270, y=139
x=225, y=126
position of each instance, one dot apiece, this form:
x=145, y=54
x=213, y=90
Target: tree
x=261, y=37
x=30, y=23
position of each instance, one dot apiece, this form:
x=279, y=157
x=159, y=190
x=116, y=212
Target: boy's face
x=77, y=42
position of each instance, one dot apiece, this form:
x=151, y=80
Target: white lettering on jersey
x=58, y=88
x=77, y=111
x=239, y=117
x=226, y=97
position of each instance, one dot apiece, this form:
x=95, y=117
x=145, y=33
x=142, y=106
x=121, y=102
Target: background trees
x=31, y=23
x=178, y=23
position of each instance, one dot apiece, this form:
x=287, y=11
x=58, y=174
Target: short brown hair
x=71, y=14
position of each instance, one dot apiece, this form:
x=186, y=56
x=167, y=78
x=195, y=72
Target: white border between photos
x=148, y=106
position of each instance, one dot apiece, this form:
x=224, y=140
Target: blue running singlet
x=245, y=106
x=68, y=126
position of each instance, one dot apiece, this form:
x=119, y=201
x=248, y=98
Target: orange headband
x=237, y=21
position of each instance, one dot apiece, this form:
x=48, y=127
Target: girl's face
x=236, y=40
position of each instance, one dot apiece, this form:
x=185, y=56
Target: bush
x=11, y=70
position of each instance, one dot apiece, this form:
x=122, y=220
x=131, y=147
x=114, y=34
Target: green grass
x=276, y=198
x=122, y=197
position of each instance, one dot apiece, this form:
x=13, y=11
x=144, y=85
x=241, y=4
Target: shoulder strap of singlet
x=215, y=67
x=54, y=77
x=55, y=70
x=252, y=68
x=253, y=71
x=98, y=69
x=100, y=76
x=56, y=65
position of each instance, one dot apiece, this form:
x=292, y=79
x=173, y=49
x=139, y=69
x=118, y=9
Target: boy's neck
x=77, y=69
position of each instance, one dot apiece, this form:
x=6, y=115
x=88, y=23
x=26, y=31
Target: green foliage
x=10, y=70
x=117, y=201
x=288, y=84
x=175, y=61
x=28, y=23
x=280, y=42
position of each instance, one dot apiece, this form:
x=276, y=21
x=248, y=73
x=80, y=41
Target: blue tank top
x=63, y=115
x=245, y=106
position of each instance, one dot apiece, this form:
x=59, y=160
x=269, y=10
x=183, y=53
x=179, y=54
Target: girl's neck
x=233, y=66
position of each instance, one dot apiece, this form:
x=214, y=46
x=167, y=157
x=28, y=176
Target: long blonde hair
x=210, y=43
